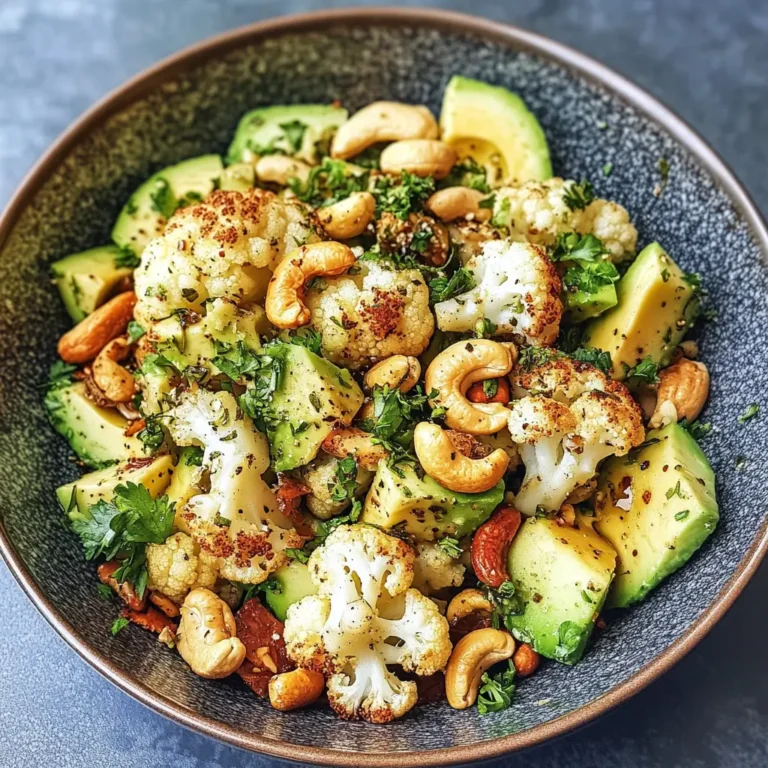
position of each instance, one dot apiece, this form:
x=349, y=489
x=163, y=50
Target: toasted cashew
x=356, y=443
x=422, y=157
x=442, y=461
x=207, y=637
x=279, y=169
x=397, y=372
x=89, y=336
x=466, y=602
x=454, y=371
x=349, y=217
x=284, y=305
x=117, y=383
x=458, y=203
x=383, y=121
x=471, y=657
x=682, y=392
x=298, y=688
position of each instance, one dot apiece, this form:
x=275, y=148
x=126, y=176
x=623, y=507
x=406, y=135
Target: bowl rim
x=516, y=38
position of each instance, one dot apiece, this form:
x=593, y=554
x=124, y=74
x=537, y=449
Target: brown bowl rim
x=519, y=39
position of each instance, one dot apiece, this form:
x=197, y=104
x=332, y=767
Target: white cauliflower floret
x=363, y=619
x=320, y=476
x=223, y=247
x=238, y=520
x=373, y=314
x=517, y=288
x=178, y=566
x=434, y=569
x=568, y=418
x=536, y=212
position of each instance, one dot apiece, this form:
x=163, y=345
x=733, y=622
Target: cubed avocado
x=582, y=306
x=562, y=575
x=656, y=307
x=656, y=507
x=239, y=177
x=76, y=497
x=301, y=130
x=86, y=280
x=493, y=126
x=148, y=209
x=185, y=482
x=313, y=396
x=95, y=434
x=292, y=583
x=420, y=506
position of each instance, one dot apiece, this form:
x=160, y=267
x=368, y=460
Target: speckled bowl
x=189, y=105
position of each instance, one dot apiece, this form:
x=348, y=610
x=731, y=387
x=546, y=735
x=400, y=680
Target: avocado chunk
x=76, y=497
x=301, y=130
x=494, y=127
x=148, y=209
x=86, y=280
x=656, y=307
x=239, y=177
x=562, y=575
x=313, y=396
x=582, y=306
x=402, y=500
x=292, y=583
x=185, y=482
x=656, y=508
x=95, y=434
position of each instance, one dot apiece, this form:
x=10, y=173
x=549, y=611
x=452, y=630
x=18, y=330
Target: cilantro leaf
x=589, y=277
x=571, y=247
x=237, y=361
x=698, y=430
x=329, y=182
x=570, y=641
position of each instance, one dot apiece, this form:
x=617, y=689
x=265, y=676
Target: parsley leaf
x=118, y=625
x=533, y=357
x=329, y=182
x=571, y=247
x=450, y=546
x=294, y=134
x=698, y=430
x=236, y=361
x=497, y=690
x=443, y=287
x=589, y=277
x=402, y=196
x=60, y=375
x=152, y=436
x=125, y=258
x=467, y=173
x=135, y=331
x=646, y=370
x=601, y=360
x=578, y=196
x=307, y=337
x=752, y=410
x=162, y=198
x=570, y=641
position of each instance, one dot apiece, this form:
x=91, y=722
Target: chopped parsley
x=646, y=370
x=682, y=514
x=450, y=546
x=237, y=361
x=402, y=196
x=490, y=388
x=467, y=173
x=500, y=218
x=162, y=198
x=60, y=375
x=570, y=641
x=578, y=196
x=126, y=259
x=118, y=625
x=572, y=247
x=345, y=487
x=152, y=435
x=484, y=328
x=294, y=134
x=698, y=430
x=663, y=168
x=497, y=690
x=589, y=278
x=601, y=360
x=607, y=169
x=676, y=491
x=443, y=287
x=751, y=411
x=329, y=182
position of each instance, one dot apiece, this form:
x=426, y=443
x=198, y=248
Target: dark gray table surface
x=708, y=59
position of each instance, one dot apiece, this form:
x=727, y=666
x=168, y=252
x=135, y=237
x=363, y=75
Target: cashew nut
x=466, y=602
x=454, y=371
x=298, y=688
x=354, y=442
x=279, y=169
x=443, y=462
x=682, y=392
x=397, y=372
x=471, y=657
x=90, y=335
x=422, y=157
x=285, y=292
x=349, y=217
x=383, y=121
x=116, y=382
x=207, y=636
x=458, y=203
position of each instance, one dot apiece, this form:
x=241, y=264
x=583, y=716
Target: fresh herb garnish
x=570, y=639
x=237, y=361
x=135, y=331
x=118, y=625
x=152, y=435
x=646, y=370
x=676, y=491
x=682, y=514
x=125, y=258
x=162, y=198
x=443, y=287
x=572, y=247
x=402, y=196
x=589, y=278
x=663, y=167
x=450, y=546
x=60, y=375
x=601, y=360
x=329, y=182
x=294, y=134
x=578, y=196
x=698, y=430
x=484, y=328
x=752, y=410
x=467, y=173
x=490, y=388
x=497, y=690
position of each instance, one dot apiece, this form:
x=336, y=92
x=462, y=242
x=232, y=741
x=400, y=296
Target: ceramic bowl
x=189, y=105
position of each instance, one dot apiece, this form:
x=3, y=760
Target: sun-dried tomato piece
x=289, y=493
x=476, y=393
x=490, y=546
x=151, y=619
x=126, y=591
x=165, y=604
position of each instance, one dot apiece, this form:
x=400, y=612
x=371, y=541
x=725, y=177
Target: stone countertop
x=707, y=59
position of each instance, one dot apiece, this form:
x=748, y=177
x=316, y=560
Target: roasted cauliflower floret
x=434, y=569
x=537, y=212
x=321, y=477
x=566, y=419
x=237, y=520
x=373, y=314
x=365, y=618
x=517, y=288
x=223, y=247
x=178, y=566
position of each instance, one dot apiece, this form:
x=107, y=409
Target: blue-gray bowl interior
x=587, y=127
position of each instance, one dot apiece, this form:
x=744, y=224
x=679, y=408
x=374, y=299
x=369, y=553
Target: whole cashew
x=397, y=372
x=443, y=462
x=116, y=382
x=471, y=657
x=454, y=371
x=279, y=169
x=466, y=602
x=207, y=638
x=422, y=157
x=298, y=688
x=349, y=217
x=458, y=203
x=682, y=392
x=285, y=292
x=382, y=121
x=90, y=335
x=356, y=443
